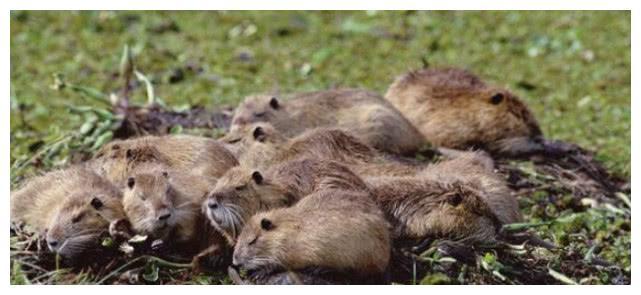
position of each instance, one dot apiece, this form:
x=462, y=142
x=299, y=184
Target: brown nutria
x=243, y=191
x=365, y=114
x=264, y=146
x=458, y=199
x=73, y=207
x=330, y=229
x=199, y=155
x=478, y=168
x=166, y=205
x=453, y=108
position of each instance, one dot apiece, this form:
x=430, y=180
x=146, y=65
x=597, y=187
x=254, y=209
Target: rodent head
x=149, y=201
x=78, y=224
x=263, y=241
x=459, y=212
x=116, y=159
x=238, y=195
x=256, y=132
x=258, y=137
x=503, y=116
x=257, y=108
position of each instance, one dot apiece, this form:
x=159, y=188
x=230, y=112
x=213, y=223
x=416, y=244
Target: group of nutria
x=302, y=185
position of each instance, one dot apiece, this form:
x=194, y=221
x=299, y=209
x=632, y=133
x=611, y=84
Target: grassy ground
x=572, y=68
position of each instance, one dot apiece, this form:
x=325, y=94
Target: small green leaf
x=151, y=275
x=102, y=139
x=435, y=279
x=176, y=129
x=107, y=242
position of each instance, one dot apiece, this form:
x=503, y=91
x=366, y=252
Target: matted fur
x=453, y=108
x=198, y=155
x=363, y=113
x=58, y=204
x=332, y=229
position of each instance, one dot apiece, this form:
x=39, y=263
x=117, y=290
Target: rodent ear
x=266, y=224
x=96, y=203
x=273, y=102
x=497, y=98
x=131, y=182
x=257, y=177
x=259, y=134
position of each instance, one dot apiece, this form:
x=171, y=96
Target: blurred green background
x=572, y=68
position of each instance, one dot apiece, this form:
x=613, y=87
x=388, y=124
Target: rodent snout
x=212, y=204
x=164, y=216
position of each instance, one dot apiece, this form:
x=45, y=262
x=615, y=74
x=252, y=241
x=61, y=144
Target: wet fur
x=198, y=155
x=453, y=108
x=58, y=204
x=239, y=197
x=362, y=113
x=333, y=229
x=166, y=190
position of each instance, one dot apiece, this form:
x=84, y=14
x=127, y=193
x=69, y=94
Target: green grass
x=572, y=69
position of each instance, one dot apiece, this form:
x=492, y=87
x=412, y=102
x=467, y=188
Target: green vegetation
x=572, y=69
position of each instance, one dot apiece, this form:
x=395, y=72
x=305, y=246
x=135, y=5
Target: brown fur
x=364, y=114
x=271, y=147
x=458, y=198
x=478, y=169
x=59, y=203
x=238, y=194
x=332, y=229
x=198, y=155
x=453, y=108
x=154, y=191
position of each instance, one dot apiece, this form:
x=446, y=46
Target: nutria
x=243, y=191
x=332, y=229
x=264, y=146
x=165, y=204
x=411, y=201
x=459, y=199
x=199, y=155
x=365, y=114
x=73, y=207
x=453, y=108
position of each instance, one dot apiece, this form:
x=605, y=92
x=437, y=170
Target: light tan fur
x=198, y=155
x=59, y=203
x=332, y=229
x=362, y=113
x=453, y=108
x=166, y=204
x=460, y=198
x=238, y=195
x=271, y=147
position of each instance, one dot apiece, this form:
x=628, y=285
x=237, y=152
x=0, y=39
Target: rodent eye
x=77, y=218
x=455, y=200
x=497, y=98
